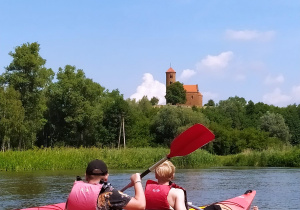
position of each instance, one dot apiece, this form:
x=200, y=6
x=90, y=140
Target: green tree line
x=44, y=109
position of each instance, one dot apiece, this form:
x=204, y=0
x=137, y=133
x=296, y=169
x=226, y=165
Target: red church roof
x=170, y=70
x=191, y=88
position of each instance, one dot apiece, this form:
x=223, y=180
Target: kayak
x=58, y=206
x=242, y=202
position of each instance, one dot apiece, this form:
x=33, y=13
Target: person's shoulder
x=114, y=192
x=176, y=192
x=76, y=183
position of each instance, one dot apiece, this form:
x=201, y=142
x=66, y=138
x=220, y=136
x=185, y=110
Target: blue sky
x=249, y=49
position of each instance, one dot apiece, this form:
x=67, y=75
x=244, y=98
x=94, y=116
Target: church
x=193, y=96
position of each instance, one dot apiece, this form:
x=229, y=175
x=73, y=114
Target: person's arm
x=178, y=199
x=138, y=201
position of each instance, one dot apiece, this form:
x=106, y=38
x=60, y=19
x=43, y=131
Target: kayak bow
x=242, y=202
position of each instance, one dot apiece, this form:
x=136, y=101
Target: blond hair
x=165, y=171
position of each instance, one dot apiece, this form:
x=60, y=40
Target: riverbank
x=139, y=158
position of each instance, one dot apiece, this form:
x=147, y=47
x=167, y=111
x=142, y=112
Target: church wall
x=194, y=99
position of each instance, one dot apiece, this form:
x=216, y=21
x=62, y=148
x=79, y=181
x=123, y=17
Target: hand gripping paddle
x=187, y=142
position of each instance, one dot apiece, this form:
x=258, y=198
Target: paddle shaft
x=147, y=171
x=152, y=168
x=194, y=207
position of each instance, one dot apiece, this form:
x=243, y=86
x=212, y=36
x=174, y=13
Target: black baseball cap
x=96, y=167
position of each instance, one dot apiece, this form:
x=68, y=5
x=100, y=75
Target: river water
x=276, y=188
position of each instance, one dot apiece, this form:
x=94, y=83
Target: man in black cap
x=96, y=193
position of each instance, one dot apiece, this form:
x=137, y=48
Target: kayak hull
x=242, y=202
x=58, y=206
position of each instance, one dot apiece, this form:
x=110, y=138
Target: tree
x=275, y=125
x=138, y=132
x=189, y=117
x=145, y=106
x=210, y=103
x=172, y=120
x=291, y=115
x=28, y=75
x=154, y=101
x=165, y=125
x=223, y=139
x=75, y=112
x=251, y=116
x=115, y=110
x=11, y=118
x=175, y=94
x=234, y=108
x=215, y=114
x=231, y=141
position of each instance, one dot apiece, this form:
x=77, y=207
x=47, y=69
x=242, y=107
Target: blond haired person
x=164, y=194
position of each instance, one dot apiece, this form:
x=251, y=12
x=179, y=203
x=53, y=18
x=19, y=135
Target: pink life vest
x=83, y=196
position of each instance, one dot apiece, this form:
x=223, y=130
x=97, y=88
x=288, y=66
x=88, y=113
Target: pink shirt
x=83, y=196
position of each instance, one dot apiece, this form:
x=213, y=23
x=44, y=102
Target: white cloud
x=150, y=88
x=187, y=73
x=217, y=62
x=276, y=98
x=247, y=35
x=274, y=80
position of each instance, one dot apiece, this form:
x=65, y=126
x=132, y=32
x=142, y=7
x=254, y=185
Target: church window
x=171, y=75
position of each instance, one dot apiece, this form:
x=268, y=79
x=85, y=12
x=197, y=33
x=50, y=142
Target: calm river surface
x=277, y=188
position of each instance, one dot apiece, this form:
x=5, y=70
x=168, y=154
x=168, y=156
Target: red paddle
x=187, y=142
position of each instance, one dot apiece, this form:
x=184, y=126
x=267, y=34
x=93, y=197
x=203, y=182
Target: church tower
x=193, y=96
x=170, y=76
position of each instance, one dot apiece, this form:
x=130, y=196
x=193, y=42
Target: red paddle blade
x=190, y=140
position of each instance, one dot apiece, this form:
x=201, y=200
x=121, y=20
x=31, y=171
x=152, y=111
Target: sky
x=243, y=48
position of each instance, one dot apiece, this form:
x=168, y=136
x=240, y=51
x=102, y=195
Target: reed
x=71, y=158
x=288, y=157
x=198, y=159
x=64, y=158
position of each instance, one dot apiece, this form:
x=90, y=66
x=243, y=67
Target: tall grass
x=139, y=158
x=288, y=157
x=71, y=158
x=197, y=159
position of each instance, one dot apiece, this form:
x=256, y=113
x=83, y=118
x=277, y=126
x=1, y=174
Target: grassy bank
x=289, y=157
x=138, y=158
